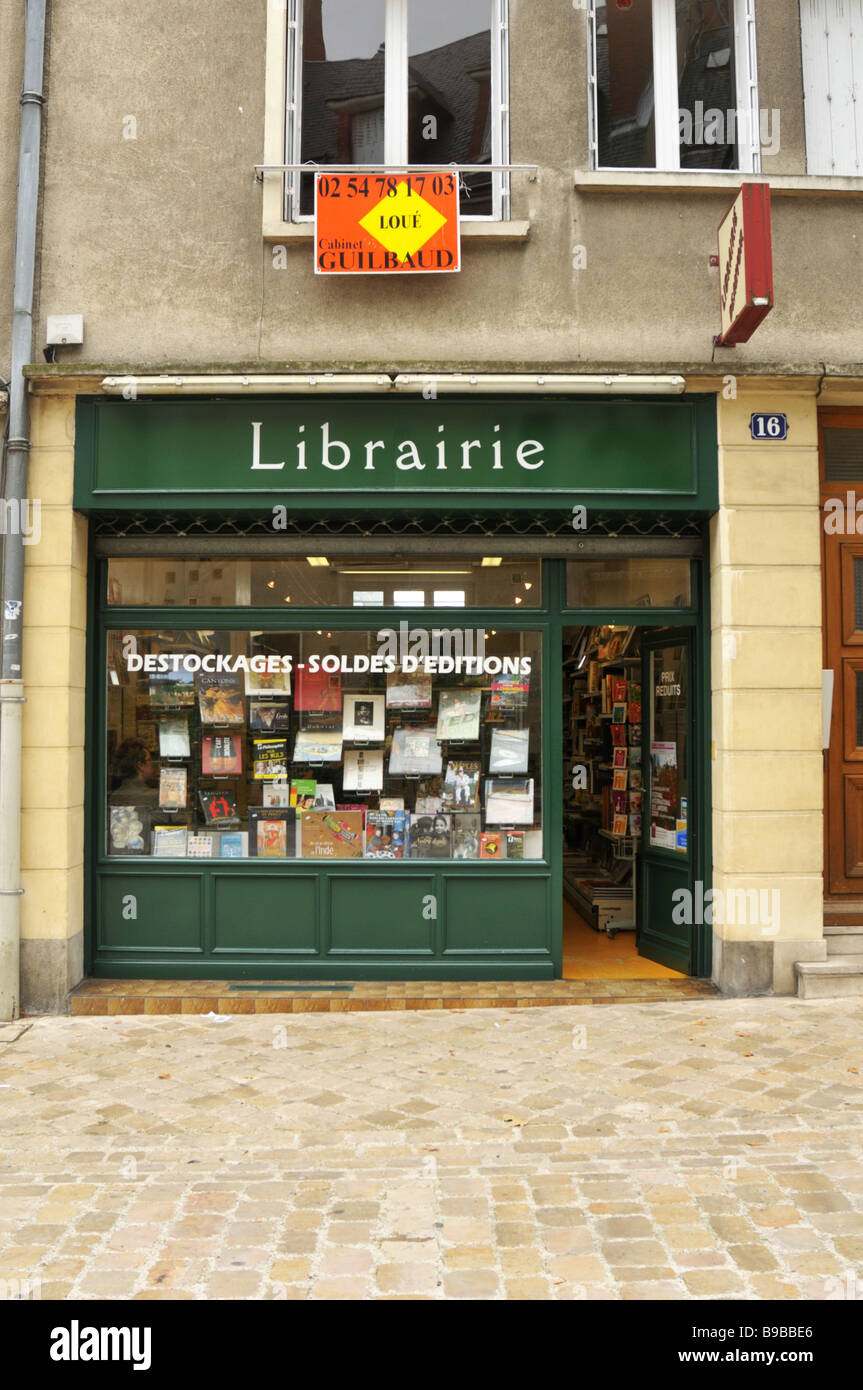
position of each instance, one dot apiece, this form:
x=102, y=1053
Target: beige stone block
x=759, y=477
x=745, y=658
x=53, y=718
x=52, y=422
x=55, y=656
x=51, y=475
x=768, y=536
x=767, y=843
x=54, y=593
x=52, y=907
x=733, y=418
x=786, y=721
x=775, y=596
x=52, y=779
x=768, y=781
x=52, y=839
x=791, y=908
x=63, y=540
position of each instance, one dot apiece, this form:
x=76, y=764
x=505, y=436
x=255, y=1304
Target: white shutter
x=832, y=47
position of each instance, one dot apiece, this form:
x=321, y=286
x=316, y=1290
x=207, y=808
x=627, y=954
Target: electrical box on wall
x=65, y=329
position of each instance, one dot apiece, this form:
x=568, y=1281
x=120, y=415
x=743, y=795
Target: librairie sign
x=370, y=453
x=745, y=265
x=387, y=224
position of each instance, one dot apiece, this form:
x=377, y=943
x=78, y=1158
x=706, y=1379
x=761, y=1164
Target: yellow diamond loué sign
x=387, y=224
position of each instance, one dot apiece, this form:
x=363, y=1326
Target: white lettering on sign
x=463, y=455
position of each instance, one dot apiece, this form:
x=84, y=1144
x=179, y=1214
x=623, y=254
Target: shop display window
x=380, y=744
x=639, y=582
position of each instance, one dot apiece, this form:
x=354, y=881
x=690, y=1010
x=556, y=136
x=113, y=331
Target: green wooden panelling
x=156, y=910
x=379, y=912
x=275, y=914
x=508, y=913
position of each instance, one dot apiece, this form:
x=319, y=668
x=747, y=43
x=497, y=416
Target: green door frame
x=549, y=619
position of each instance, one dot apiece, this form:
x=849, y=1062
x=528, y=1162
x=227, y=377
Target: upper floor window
x=674, y=85
x=398, y=82
x=831, y=40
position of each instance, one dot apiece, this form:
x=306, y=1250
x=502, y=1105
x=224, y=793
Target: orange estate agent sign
x=386, y=224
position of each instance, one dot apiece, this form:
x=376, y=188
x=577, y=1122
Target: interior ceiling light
x=489, y=560
x=317, y=561
x=405, y=572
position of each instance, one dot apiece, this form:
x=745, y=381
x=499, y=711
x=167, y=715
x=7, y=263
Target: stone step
x=844, y=941
x=838, y=977
x=843, y=929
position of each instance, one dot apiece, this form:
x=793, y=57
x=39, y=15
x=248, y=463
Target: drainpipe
x=17, y=449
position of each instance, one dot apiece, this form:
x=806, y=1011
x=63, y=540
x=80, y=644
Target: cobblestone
x=707, y=1149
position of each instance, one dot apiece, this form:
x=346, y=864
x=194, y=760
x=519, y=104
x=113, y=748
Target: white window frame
x=665, y=91
x=283, y=122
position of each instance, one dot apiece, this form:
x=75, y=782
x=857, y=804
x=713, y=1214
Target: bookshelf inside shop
x=602, y=742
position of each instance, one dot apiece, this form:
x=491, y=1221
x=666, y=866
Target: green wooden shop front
x=179, y=490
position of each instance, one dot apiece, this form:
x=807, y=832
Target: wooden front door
x=842, y=515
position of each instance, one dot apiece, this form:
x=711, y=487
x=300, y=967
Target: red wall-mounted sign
x=745, y=264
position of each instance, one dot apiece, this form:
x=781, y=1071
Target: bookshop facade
x=334, y=646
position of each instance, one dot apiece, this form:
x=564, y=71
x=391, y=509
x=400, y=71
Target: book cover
x=169, y=841
x=302, y=793
x=635, y=756
x=510, y=694
x=634, y=711
x=268, y=682
x=325, y=797
x=635, y=824
x=391, y=803
x=620, y=826
x=431, y=836
x=429, y=798
x=364, y=718
x=635, y=733
x=619, y=758
x=458, y=713
x=272, y=832
x=232, y=845
x=276, y=794
x=220, y=700
x=466, y=831
x=509, y=801
x=515, y=844
x=318, y=690
x=172, y=689
x=415, y=750
x=635, y=773
x=619, y=779
x=199, y=846
x=619, y=803
x=634, y=690
x=221, y=755
x=509, y=750
x=618, y=690
x=332, y=834
x=408, y=691
x=461, y=786
x=173, y=738
x=618, y=735
x=618, y=714
x=270, y=759
x=218, y=808
x=490, y=845
x=268, y=716
x=363, y=770
x=385, y=835
x=128, y=829
x=312, y=746
x=173, y=782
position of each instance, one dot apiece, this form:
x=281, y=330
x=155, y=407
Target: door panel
x=666, y=928
x=853, y=788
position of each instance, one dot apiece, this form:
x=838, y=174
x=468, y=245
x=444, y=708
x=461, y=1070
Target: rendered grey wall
x=158, y=241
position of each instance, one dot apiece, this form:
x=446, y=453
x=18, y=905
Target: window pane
x=859, y=691
x=343, y=85
x=450, y=93
x=843, y=455
x=338, y=583
x=624, y=83
x=668, y=766
x=387, y=743
x=636, y=583
x=706, y=85
x=858, y=595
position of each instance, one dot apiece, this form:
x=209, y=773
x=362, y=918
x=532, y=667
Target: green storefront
x=333, y=651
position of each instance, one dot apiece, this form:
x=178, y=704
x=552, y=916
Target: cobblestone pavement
x=699, y=1150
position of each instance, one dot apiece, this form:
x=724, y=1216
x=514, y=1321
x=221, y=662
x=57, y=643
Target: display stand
x=625, y=847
